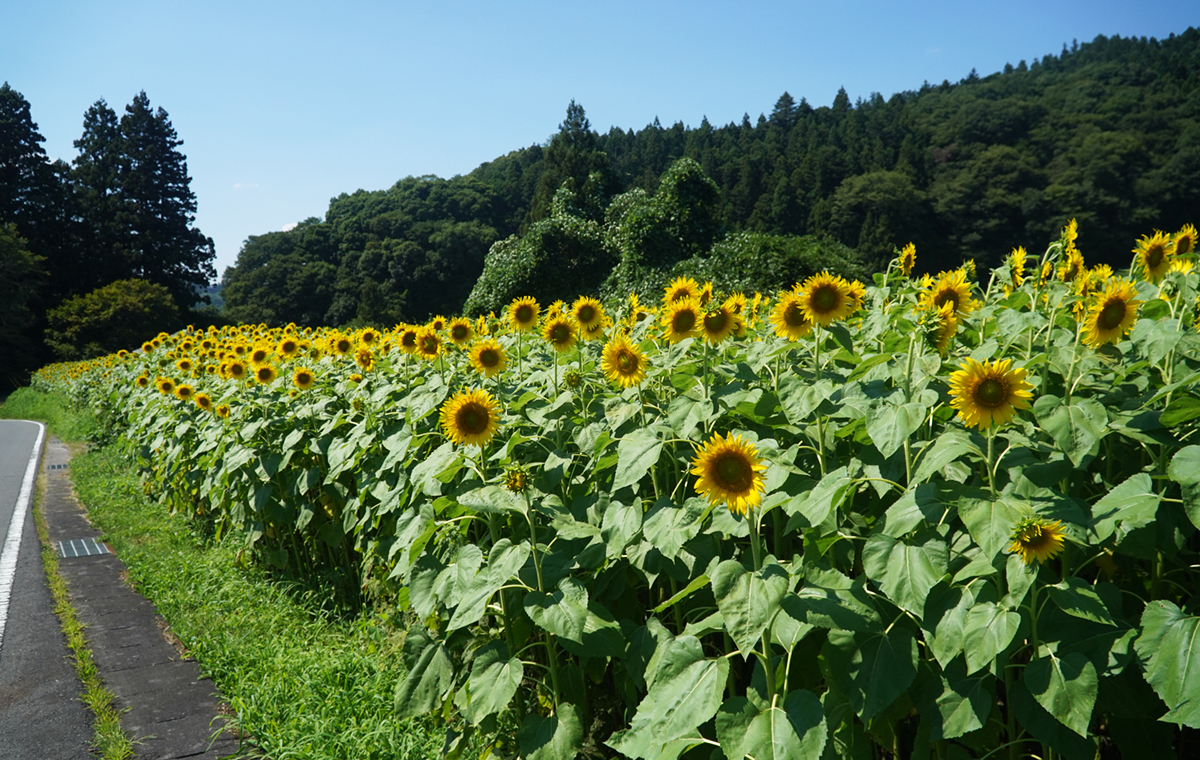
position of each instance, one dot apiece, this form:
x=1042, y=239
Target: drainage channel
x=81, y=547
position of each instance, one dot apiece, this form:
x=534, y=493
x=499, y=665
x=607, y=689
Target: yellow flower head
x=429, y=343
x=940, y=327
x=408, y=339
x=1154, y=255
x=952, y=288
x=730, y=471
x=908, y=259
x=369, y=337
x=204, y=401
x=260, y=354
x=1016, y=269
x=719, y=323
x=461, y=331
x=303, y=378
x=288, y=347
x=488, y=357
x=471, y=418
x=587, y=312
x=523, y=313
x=265, y=374
x=1035, y=538
x=623, y=363
x=516, y=479
x=788, y=318
x=1112, y=314
x=184, y=392
x=825, y=298
x=988, y=394
x=1184, y=240
x=438, y=323
x=559, y=332
x=222, y=411
x=341, y=345
x=184, y=365
x=681, y=319
x=235, y=370
x=681, y=289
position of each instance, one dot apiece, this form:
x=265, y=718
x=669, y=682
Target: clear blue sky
x=284, y=105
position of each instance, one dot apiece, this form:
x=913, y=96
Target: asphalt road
x=41, y=715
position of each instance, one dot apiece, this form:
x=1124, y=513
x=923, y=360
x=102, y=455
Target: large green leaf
x=905, y=572
x=685, y=693
x=437, y=468
x=948, y=447
x=799, y=397
x=915, y=507
x=1156, y=337
x=473, y=590
x=990, y=522
x=1065, y=687
x=793, y=730
x=810, y=509
x=430, y=675
x=563, y=613
x=1076, y=597
x=1075, y=427
x=551, y=738
x=668, y=526
x=965, y=702
x=1185, y=470
x=620, y=524
x=1132, y=504
x=1170, y=650
x=945, y=617
x=987, y=631
x=889, y=425
x=748, y=600
x=635, y=456
x=1046, y=728
x=494, y=679
x=872, y=670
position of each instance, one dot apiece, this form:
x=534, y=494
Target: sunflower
x=788, y=317
x=908, y=259
x=988, y=394
x=488, y=357
x=340, y=345
x=288, y=347
x=142, y=381
x=858, y=295
x=408, y=338
x=1016, y=269
x=596, y=331
x=184, y=392
x=952, y=288
x=438, y=323
x=730, y=472
x=1072, y=266
x=184, y=365
x=369, y=337
x=1185, y=240
x=1035, y=538
x=941, y=326
x=622, y=362
x=719, y=323
x=516, y=479
x=523, y=313
x=470, y=417
x=588, y=312
x=303, y=378
x=824, y=298
x=637, y=312
x=236, y=370
x=204, y=401
x=1154, y=254
x=681, y=289
x=265, y=374
x=1112, y=314
x=681, y=319
x=166, y=386
x=260, y=355
x=429, y=343
x=559, y=332
x=364, y=359
x=356, y=378
x=461, y=331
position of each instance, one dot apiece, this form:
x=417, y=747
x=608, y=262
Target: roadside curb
x=168, y=708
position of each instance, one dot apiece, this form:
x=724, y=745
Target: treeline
x=121, y=212
x=1107, y=132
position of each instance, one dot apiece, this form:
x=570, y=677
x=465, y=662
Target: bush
x=120, y=315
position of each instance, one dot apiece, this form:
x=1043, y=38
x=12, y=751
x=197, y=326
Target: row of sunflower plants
x=939, y=516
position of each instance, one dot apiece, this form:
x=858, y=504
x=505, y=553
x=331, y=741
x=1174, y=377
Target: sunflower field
x=947, y=516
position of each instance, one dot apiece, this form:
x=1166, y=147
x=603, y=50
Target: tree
x=121, y=315
x=21, y=279
x=573, y=158
x=96, y=176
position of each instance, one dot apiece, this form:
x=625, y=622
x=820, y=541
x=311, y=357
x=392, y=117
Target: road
x=41, y=715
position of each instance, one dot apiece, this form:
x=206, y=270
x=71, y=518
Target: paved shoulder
x=41, y=712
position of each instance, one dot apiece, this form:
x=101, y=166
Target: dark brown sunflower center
x=946, y=297
x=793, y=315
x=560, y=333
x=290, y=348
x=344, y=346
x=586, y=313
x=825, y=299
x=260, y=355
x=524, y=314
x=627, y=363
x=460, y=332
x=684, y=321
x=733, y=473
x=472, y=419
x=716, y=321
x=429, y=345
x=678, y=295
x=1184, y=245
x=1154, y=256
x=409, y=340
x=991, y=393
x=264, y=374
x=1034, y=538
x=489, y=357
x=1112, y=315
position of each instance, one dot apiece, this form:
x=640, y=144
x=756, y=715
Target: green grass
x=53, y=409
x=302, y=685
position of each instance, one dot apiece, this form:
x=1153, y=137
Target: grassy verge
x=53, y=409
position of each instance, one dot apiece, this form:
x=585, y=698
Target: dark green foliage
x=21, y=279
x=120, y=315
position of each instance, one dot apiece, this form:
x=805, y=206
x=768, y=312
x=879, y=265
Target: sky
x=282, y=106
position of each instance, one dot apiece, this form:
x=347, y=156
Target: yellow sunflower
x=488, y=357
x=988, y=394
x=184, y=365
x=429, y=343
x=461, y=331
x=908, y=259
x=204, y=401
x=303, y=378
x=408, y=339
x=559, y=332
x=341, y=345
x=940, y=327
x=142, y=381
x=288, y=347
x=166, y=386
x=1184, y=240
x=438, y=323
x=222, y=411
x=1072, y=266
x=236, y=370
x=788, y=318
x=1035, y=538
x=681, y=319
x=825, y=298
x=1112, y=314
x=588, y=312
x=260, y=355
x=184, y=392
x=952, y=288
x=622, y=362
x=719, y=323
x=470, y=417
x=523, y=313
x=681, y=289
x=364, y=359
x=730, y=472
x=1154, y=255
x=1016, y=269
x=369, y=336
x=265, y=374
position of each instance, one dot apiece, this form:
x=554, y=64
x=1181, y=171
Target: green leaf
x=1185, y=470
x=697, y=583
x=493, y=683
x=473, y=590
x=493, y=500
x=1181, y=409
x=872, y=670
x=1046, y=728
x=1156, y=337
x=965, y=702
x=990, y=522
x=987, y=631
x=620, y=524
x=1065, y=687
x=810, y=509
x=889, y=425
x=685, y=693
x=914, y=507
x=799, y=397
x=748, y=600
x=906, y=573
x=794, y=730
x=1077, y=598
x=945, y=617
x=934, y=457
x=1131, y=505
x=430, y=675
x=635, y=456
x=551, y=738
x=849, y=609
x=440, y=465
x=668, y=526
x=1076, y=428
x=1170, y=650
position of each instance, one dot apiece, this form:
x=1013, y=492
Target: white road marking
x=12, y=544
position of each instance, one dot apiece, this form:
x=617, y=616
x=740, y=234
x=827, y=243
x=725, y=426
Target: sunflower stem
x=755, y=516
x=551, y=655
x=990, y=461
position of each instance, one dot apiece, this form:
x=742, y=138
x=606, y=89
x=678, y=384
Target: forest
x=1106, y=132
